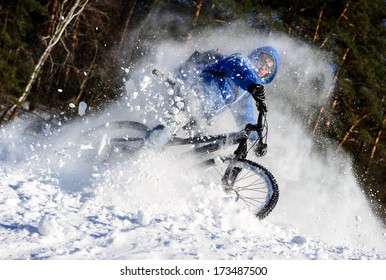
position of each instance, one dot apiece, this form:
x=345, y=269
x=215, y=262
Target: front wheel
x=252, y=185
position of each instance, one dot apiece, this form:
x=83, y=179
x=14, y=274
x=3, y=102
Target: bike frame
x=231, y=170
x=216, y=141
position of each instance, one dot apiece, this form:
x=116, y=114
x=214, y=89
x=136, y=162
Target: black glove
x=261, y=149
x=257, y=91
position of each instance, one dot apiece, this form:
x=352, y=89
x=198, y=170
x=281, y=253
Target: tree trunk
x=76, y=9
x=195, y=21
x=329, y=92
x=52, y=18
x=316, y=34
x=88, y=75
x=136, y=37
x=378, y=135
x=68, y=61
x=333, y=106
x=343, y=14
x=126, y=27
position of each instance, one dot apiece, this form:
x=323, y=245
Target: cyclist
x=220, y=81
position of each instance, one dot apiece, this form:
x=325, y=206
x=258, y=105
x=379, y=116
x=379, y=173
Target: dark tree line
x=80, y=46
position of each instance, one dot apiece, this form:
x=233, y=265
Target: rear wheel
x=251, y=184
x=119, y=137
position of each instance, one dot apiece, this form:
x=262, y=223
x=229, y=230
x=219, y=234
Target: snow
x=57, y=201
x=82, y=108
x=150, y=216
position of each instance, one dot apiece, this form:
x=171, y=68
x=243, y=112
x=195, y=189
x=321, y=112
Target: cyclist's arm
x=237, y=68
x=242, y=110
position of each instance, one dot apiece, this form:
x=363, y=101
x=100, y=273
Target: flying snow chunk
x=48, y=226
x=180, y=105
x=174, y=111
x=82, y=108
x=71, y=105
x=145, y=83
x=134, y=95
x=143, y=218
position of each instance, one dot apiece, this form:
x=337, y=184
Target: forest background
x=53, y=53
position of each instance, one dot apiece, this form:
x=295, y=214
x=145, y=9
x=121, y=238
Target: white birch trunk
x=75, y=10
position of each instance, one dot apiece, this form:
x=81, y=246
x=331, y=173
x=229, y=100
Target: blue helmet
x=260, y=58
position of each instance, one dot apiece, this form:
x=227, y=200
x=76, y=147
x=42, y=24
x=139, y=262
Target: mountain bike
x=251, y=184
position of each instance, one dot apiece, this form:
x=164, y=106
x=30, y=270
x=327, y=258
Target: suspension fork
x=241, y=152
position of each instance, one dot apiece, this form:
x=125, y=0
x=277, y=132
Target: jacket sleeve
x=237, y=68
x=243, y=113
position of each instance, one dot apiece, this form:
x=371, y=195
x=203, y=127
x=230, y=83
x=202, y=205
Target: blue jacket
x=223, y=83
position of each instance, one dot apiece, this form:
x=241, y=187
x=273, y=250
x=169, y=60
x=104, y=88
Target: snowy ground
x=57, y=204
x=54, y=206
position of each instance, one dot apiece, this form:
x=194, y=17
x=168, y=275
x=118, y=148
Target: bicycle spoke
x=257, y=201
x=258, y=182
x=244, y=177
x=254, y=187
x=219, y=173
x=249, y=204
x=254, y=190
x=251, y=174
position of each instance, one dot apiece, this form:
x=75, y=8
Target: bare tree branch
x=64, y=20
x=351, y=130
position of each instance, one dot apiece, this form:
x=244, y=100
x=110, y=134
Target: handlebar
x=258, y=127
x=242, y=149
